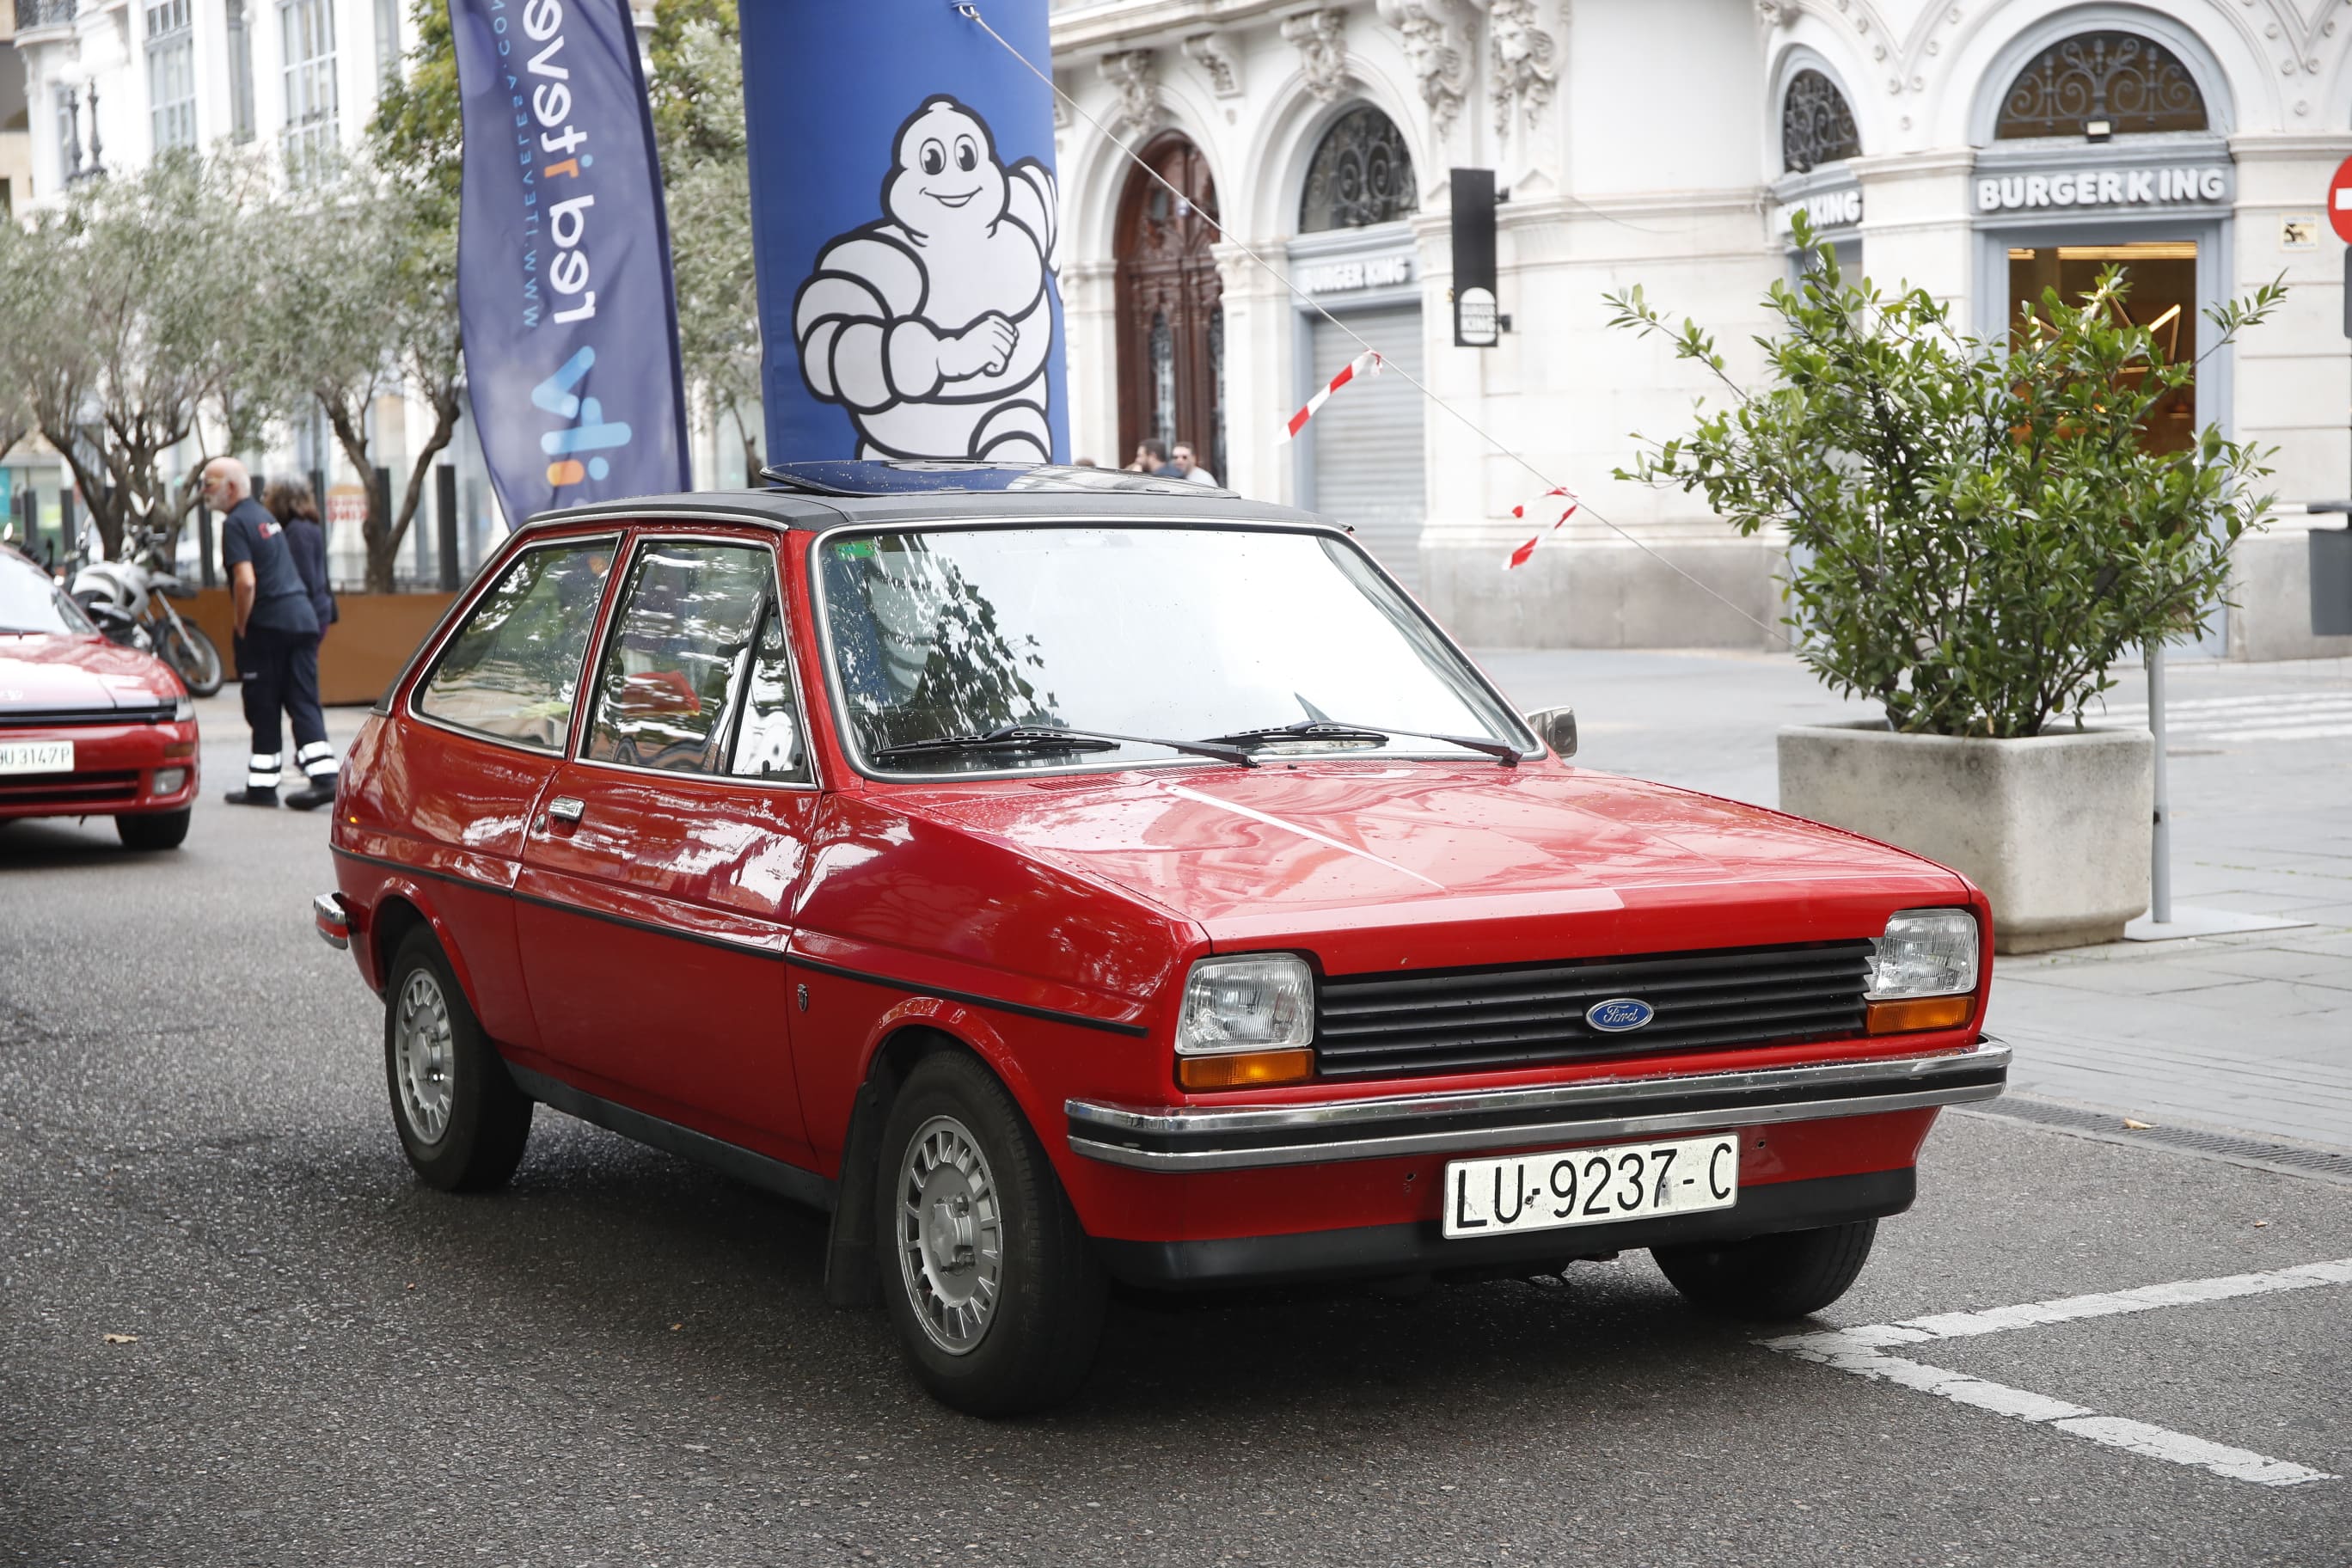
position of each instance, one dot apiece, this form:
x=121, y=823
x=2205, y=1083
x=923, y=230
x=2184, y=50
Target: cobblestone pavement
x=2249, y=1033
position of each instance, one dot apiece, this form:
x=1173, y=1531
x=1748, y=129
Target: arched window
x=1816, y=124
x=2100, y=84
x=1360, y=173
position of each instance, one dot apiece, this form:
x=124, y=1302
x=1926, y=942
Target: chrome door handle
x=565, y=808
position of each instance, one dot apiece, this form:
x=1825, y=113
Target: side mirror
x=1556, y=728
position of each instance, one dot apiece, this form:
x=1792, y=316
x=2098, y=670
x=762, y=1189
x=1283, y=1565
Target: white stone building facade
x=1662, y=142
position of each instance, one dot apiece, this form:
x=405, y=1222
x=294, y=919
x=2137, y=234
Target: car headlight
x=184, y=709
x=1247, y=1019
x=1924, y=953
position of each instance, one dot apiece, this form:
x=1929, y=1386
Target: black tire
x=1791, y=1275
x=154, y=829
x=461, y=1121
x=1037, y=1342
x=188, y=650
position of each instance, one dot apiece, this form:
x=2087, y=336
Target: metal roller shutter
x=1366, y=442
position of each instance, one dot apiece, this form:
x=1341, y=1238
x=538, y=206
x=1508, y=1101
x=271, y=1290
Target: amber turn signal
x=178, y=751
x=1242, y=1069
x=1920, y=1013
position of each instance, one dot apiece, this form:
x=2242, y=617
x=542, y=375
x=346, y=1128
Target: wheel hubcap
x=950, y=1235
x=423, y=1052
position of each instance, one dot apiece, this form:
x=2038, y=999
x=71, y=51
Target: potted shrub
x=1980, y=533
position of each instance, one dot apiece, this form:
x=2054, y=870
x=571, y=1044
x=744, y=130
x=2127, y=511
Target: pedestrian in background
x=276, y=641
x=291, y=502
x=1187, y=466
x=1151, y=457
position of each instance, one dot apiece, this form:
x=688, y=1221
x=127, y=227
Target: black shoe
x=312, y=797
x=251, y=796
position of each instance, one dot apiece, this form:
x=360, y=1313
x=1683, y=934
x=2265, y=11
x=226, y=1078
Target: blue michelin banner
x=563, y=283
x=904, y=224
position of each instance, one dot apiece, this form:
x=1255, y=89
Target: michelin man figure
x=932, y=325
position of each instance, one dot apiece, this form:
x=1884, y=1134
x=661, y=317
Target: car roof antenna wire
x=970, y=11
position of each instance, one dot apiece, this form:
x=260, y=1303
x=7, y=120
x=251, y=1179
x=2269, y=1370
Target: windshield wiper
x=1053, y=738
x=1343, y=729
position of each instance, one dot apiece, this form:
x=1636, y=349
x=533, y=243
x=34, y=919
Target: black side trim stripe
x=743, y=1164
x=1080, y=1020
x=1076, y=1020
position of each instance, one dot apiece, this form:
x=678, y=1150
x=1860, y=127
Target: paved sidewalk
x=2251, y=1035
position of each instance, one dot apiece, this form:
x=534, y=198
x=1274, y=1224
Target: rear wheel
x=188, y=650
x=1769, y=1276
x=997, y=1296
x=154, y=829
x=462, y=1121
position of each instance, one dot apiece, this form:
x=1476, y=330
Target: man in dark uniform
x=276, y=636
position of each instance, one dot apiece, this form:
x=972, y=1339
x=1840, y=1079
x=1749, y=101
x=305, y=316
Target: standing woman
x=292, y=503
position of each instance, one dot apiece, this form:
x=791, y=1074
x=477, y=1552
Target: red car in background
x=87, y=728
x=1061, y=877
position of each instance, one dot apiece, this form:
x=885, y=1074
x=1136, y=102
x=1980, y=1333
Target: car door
x=486, y=727
x=660, y=871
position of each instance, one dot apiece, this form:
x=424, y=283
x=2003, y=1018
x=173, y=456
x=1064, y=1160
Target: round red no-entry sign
x=2339, y=201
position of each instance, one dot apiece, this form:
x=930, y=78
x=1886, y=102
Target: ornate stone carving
x=1524, y=74
x=1777, y=13
x=1319, y=37
x=1215, y=58
x=1136, y=75
x=1441, y=68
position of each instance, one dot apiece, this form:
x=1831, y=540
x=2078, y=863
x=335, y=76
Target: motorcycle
x=130, y=600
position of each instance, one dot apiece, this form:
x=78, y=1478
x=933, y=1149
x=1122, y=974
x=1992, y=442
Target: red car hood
x=1426, y=864
x=42, y=672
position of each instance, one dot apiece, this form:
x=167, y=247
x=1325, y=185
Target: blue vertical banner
x=905, y=229
x=564, y=280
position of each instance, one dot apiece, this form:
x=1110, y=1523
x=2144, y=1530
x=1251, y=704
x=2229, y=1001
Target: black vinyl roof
x=802, y=495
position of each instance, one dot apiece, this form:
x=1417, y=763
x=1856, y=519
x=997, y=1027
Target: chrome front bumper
x=1210, y=1139
x=333, y=920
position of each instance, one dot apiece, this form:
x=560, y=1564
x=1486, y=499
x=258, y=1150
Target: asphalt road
x=625, y=1359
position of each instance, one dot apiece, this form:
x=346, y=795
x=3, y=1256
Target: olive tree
x=130, y=333
x=697, y=89
x=1981, y=530
x=361, y=287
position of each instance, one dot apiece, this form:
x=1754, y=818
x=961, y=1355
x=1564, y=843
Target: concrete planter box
x=2055, y=829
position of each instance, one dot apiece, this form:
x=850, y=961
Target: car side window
x=768, y=744
x=512, y=669
x=681, y=660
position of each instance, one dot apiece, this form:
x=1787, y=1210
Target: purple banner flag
x=564, y=280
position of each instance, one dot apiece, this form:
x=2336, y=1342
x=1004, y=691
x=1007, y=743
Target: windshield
x=1174, y=633
x=29, y=602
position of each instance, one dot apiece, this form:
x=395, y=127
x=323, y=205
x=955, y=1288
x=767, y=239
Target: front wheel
x=996, y=1293
x=462, y=1122
x=154, y=829
x=189, y=651
x=1770, y=1276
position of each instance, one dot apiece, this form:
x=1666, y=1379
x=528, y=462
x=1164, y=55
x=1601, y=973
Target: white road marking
x=1860, y=1351
x=2279, y=716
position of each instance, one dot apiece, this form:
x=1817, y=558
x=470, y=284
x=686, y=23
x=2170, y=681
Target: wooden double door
x=1171, y=312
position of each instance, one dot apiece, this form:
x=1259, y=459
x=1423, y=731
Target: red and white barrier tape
x=1365, y=363
x=1519, y=556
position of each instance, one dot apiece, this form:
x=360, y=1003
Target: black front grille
x=66, y=791
x=1457, y=1020
x=66, y=718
